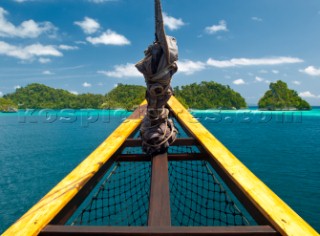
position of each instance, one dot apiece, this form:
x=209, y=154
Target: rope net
x=122, y=199
x=196, y=194
x=198, y=198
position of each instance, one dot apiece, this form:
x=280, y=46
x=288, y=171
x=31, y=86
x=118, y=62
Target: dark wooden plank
x=159, y=204
x=185, y=142
x=137, y=142
x=186, y=157
x=171, y=157
x=133, y=157
x=101, y=230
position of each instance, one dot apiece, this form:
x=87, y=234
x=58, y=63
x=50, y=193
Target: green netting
x=122, y=199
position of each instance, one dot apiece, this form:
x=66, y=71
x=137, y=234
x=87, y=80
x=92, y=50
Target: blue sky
x=91, y=45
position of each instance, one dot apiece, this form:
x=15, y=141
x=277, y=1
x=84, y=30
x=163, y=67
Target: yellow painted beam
x=282, y=217
x=32, y=222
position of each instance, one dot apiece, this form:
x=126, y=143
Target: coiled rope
x=158, y=66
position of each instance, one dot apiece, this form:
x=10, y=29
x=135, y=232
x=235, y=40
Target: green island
x=209, y=95
x=280, y=97
x=205, y=95
x=124, y=96
x=39, y=96
x=7, y=105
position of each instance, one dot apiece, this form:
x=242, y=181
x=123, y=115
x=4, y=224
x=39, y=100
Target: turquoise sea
x=39, y=148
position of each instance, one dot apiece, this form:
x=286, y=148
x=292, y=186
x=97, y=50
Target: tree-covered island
x=209, y=95
x=7, y=105
x=280, y=97
x=206, y=95
x=124, y=96
x=39, y=96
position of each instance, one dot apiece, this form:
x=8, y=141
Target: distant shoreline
x=122, y=111
x=254, y=108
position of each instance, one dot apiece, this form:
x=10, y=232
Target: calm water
x=36, y=152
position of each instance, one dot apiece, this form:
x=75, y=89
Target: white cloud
x=109, y=38
x=86, y=85
x=296, y=82
x=252, y=62
x=171, y=22
x=27, y=29
x=80, y=42
x=267, y=81
x=17, y=87
x=122, y=71
x=43, y=60
x=42, y=50
x=239, y=82
x=74, y=92
x=89, y=25
x=28, y=52
x=222, y=26
x=311, y=70
x=67, y=47
x=275, y=71
x=254, y=18
x=189, y=67
x=101, y=1
x=20, y=1
x=263, y=71
x=259, y=79
x=307, y=94
x=47, y=72
x=1, y=94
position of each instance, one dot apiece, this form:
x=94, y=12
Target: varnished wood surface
x=52, y=230
x=159, y=204
x=137, y=142
x=171, y=157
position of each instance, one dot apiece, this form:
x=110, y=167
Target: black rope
x=122, y=199
x=158, y=66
